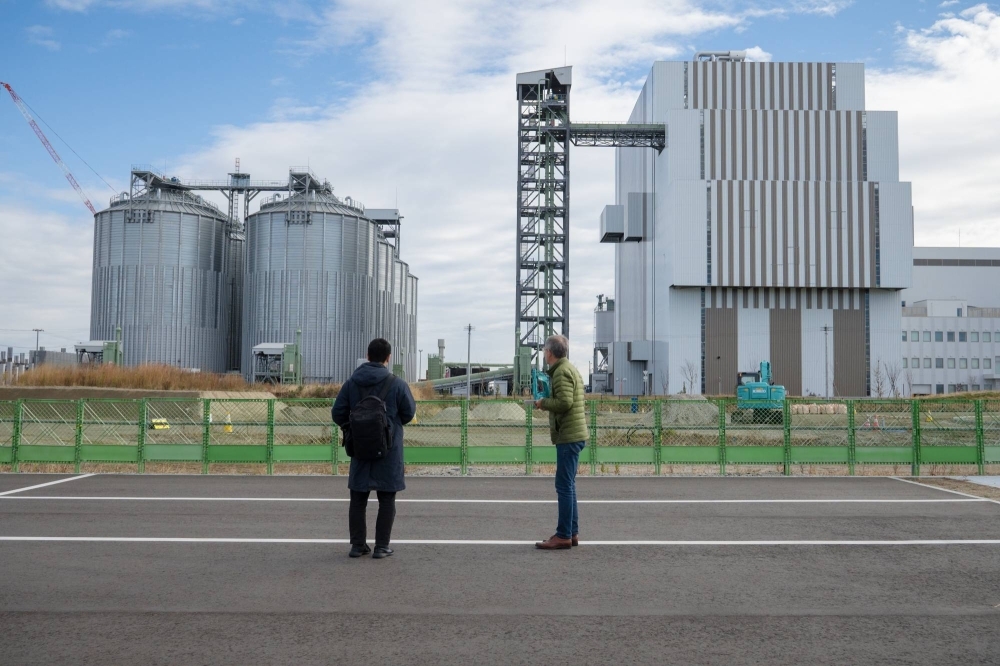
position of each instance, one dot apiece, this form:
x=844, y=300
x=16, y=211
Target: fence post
x=593, y=437
x=270, y=436
x=915, y=411
x=657, y=434
x=464, y=442
x=335, y=443
x=78, y=440
x=980, y=439
x=722, y=436
x=852, y=453
x=786, y=421
x=16, y=443
x=143, y=419
x=206, y=433
x=529, y=416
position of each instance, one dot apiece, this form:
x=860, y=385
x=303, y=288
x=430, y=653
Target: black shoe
x=381, y=551
x=358, y=551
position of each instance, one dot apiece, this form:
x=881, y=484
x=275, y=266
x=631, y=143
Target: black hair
x=379, y=350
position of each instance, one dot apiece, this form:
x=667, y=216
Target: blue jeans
x=567, y=460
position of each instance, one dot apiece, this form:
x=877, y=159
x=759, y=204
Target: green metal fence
x=664, y=436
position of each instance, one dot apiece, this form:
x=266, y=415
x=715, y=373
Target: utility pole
x=420, y=363
x=826, y=361
x=37, y=332
x=468, y=364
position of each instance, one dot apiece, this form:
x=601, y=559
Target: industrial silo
x=322, y=266
x=163, y=262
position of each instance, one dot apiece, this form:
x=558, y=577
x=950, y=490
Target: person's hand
x=538, y=404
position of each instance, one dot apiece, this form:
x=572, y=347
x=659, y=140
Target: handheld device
x=541, y=387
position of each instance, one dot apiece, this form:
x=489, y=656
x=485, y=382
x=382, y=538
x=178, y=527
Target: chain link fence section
x=497, y=433
x=436, y=436
x=8, y=412
x=48, y=423
x=947, y=423
x=991, y=431
x=883, y=423
x=819, y=422
x=174, y=421
x=304, y=432
x=111, y=422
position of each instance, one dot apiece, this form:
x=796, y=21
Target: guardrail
x=664, y=435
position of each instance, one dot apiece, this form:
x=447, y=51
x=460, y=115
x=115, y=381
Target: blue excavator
x=758, y=400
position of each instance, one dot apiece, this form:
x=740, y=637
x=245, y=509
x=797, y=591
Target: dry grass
x=149, y=377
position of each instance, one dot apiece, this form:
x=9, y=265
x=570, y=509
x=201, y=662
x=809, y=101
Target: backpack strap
x=386, y=385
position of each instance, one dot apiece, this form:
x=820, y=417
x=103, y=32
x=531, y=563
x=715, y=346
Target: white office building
x=773, y=226
x=951, y=321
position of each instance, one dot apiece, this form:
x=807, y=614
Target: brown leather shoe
x=554, y=542
x=576, y=539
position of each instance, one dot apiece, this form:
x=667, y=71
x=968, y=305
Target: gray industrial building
x=772, y=226
x=170, y=270
x=951, y=322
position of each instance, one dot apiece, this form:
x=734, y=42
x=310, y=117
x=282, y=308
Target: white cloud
x=41, y=35
x=948, y=3
x=757, y=54
x=949, y=126
x=54, y=250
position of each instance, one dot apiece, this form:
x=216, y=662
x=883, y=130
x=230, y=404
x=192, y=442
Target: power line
x=69, y=146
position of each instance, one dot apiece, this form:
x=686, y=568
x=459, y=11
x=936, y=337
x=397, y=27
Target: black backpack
x=369, y=432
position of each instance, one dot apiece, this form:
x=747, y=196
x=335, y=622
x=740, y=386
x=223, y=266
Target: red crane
x=48, y=146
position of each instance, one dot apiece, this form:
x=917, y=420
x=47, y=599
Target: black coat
x=385, y=474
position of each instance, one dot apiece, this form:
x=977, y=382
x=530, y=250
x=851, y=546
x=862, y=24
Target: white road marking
x=42, y=485
x=944, y=490
x=499, y=542
x=968, y=498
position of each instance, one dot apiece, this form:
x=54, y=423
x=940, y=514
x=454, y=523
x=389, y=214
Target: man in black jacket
x=384, y=476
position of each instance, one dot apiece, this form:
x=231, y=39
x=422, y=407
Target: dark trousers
x=383, y=523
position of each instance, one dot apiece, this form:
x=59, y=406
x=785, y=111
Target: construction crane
x=48, y=146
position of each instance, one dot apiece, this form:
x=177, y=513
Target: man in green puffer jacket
x=568, y=426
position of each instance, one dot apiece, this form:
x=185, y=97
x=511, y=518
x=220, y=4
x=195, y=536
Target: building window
x=959, y=312
x=927, y=336
x=961, y=337
x=951, y=336
x=986, y=336
x=915, y=363
x=951, y=364
x=974, y=336
x=939, y=363
x=904, y=336
x=939, y=388
x=988, y=363
x=951, y=388
x=927, y=363
x=963, y=364
x=975, y=387
x=975, y=363
x=904, y=363
x=914, y=336
x=939, y=336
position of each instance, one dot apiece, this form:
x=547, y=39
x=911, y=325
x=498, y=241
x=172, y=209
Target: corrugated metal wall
x=774, y=85
x=849, y=371
x=786, y=349
x=334, y=279
x=721, y=350
x=161, y=273
x=882, y=130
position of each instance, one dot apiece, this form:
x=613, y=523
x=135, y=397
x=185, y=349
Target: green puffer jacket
x=567, y=414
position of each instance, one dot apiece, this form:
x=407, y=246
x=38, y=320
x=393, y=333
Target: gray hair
x=558, y=345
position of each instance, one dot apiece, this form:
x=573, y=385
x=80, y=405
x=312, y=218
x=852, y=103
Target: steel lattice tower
x=543, y=209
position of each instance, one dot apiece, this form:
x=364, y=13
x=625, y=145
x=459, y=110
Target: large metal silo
x=163, y=267
x=318, y=264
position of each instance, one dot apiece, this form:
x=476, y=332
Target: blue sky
x=415, y=100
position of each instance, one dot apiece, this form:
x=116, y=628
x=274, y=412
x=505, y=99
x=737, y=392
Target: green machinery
x=758, y=400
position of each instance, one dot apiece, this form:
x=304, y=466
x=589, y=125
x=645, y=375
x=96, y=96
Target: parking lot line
x=42, y=485
x=125, y=498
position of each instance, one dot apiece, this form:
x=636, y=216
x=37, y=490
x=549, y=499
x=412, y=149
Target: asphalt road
x=305, y=603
